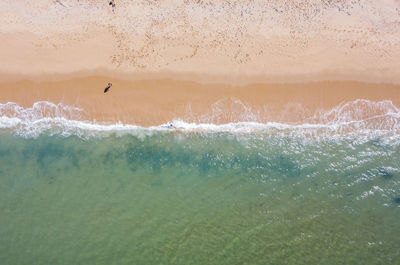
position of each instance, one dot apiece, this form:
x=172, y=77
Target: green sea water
x=198, y=198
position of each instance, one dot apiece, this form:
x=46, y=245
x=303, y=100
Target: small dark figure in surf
x=112, y=3
x=169, y=125
x=108, y=87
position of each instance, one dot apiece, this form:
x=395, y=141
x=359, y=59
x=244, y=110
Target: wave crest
x=359, y=117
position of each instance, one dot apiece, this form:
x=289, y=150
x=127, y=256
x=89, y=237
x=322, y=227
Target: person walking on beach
x=108, y=87
x=112, y=3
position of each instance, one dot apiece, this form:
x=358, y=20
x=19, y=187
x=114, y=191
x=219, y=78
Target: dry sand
x=208, y=61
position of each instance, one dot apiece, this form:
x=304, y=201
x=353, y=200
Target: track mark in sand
x=60, y=3
x=159, y=33
x=225, y=27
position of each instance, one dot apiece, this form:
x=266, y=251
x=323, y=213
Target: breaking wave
x=360, y=118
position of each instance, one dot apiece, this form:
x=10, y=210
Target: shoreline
x=152, y=102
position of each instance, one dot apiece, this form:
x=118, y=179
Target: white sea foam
x=362, y=118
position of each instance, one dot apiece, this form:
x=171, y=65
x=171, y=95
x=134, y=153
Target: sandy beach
x=204, y=61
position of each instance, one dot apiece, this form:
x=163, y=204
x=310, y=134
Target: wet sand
x=157, y=101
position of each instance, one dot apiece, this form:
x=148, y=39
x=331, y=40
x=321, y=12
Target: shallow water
x=198, y=198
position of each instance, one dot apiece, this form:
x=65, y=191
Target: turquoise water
x=199, y=198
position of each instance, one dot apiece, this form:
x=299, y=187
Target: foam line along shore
x=199, y=132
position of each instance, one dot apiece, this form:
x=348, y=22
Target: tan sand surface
x=208, y=61
x=253, y=40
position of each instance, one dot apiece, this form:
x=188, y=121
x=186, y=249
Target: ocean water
x=75, y=192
